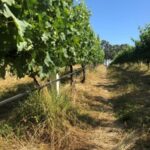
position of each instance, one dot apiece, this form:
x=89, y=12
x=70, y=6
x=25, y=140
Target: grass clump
x=44, y=117
x=44, y=106
x=5, y=129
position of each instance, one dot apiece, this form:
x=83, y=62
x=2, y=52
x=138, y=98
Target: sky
x=117, y=21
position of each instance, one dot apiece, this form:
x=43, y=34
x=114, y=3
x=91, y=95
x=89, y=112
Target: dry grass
x=131, y=103
x=97, y=126
x=11, y=85
x=102, y=132
x=39, y=122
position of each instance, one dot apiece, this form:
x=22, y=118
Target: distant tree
x=112, y=50
x=106, y=46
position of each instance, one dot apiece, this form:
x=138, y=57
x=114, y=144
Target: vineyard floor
x=104, y=132
x=107, y=121
x=117, y=101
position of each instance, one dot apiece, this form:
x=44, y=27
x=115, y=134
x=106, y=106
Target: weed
x=43, y=117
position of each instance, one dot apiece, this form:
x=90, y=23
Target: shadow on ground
x=88, y=121
x=131, y=102
x=97, y=103
x=7, y=109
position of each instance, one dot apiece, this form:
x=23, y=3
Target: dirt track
x=105, y=132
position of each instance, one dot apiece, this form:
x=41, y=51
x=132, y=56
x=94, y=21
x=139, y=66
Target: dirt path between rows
x=105, y=132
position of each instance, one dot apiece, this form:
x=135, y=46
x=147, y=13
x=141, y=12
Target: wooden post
x=84, y=73
x=35, y=80
x=148, y=64
x=71, y=76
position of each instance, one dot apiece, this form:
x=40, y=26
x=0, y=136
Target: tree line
x=112, y=50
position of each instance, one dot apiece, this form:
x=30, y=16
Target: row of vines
x=38, y=37
x=138, y=53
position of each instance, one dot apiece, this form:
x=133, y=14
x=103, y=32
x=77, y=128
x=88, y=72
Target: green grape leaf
x=8, y=2
x=21, y=25
x=25, y=45
x=45, y=37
